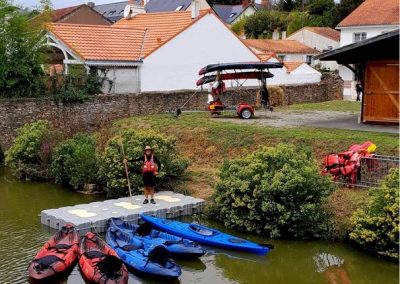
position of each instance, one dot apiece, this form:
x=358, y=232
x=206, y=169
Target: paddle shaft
x=126, y=172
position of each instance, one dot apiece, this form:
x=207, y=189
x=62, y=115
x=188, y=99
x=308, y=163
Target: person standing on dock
x=149, y=169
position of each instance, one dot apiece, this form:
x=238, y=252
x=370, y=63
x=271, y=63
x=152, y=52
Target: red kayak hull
x=90, y=243
x=57, y=256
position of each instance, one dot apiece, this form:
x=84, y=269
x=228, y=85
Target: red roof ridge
x=124, y=27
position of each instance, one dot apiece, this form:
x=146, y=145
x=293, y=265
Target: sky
x=61, y=3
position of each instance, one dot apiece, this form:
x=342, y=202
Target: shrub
x=75, y=161
x=274, y=191
x=30, y=153
x=376, y=226
x=112, y=168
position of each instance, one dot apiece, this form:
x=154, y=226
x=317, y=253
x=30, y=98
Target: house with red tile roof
x=285, y=50
x=80, y=14
x=370, y=19
x=321, y=39
x=150, y=51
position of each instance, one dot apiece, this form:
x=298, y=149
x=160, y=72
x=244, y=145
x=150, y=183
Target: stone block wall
x=102, y=109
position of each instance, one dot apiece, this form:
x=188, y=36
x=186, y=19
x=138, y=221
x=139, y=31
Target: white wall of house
x=248, y=12
x=319, y=43
x=175, y=65
x=347, y=36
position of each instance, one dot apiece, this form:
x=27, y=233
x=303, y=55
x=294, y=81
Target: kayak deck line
x=95, y=215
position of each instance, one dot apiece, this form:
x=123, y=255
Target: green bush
x=277, y=192
x=75, y=161
x=112, y=169
x=30, y=153
x=376, y=226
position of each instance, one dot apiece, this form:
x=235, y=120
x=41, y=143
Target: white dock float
x=95, y=215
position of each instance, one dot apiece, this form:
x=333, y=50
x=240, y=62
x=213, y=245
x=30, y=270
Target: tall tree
x=20, y=53
x=263, y=23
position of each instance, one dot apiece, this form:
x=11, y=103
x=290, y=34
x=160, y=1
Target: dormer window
x=232, y=15
x=179, y=8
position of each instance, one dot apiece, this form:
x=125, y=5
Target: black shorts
x=149, y=179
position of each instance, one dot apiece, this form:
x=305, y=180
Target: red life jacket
x=149, y=166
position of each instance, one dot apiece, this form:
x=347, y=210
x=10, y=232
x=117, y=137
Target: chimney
x=264, y=3
x=283, y=34
x=275, y=34
x=195, y=9
x=245, y=3
x=91, y=4
x=135, y=9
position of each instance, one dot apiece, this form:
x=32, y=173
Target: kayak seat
x=62, y=246
x=110, y=266
x=201, y=231
x=159, y=255
x=48, y=260
x=144, y=229
x=131, y=247
x=94, y=254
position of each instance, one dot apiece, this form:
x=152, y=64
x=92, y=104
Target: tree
x=20, y=54
x=289, y=5
x=319, y=7
x=263, y=23
x=344, y=8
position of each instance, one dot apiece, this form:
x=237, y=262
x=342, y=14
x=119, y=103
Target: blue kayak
x=205, y=235
x=178, y=247
x=150, y=260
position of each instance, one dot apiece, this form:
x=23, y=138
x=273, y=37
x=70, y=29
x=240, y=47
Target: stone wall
x=102, y=109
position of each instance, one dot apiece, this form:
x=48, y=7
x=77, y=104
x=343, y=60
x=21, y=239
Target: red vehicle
x=57, y=257
x=218, y=73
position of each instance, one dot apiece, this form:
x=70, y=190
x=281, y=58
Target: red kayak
x=57, y=255
x=99, y=263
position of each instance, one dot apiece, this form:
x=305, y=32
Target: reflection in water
x=297, y=262
x=332, y=267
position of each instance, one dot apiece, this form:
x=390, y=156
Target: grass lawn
x=341, y=105
x=207, y=141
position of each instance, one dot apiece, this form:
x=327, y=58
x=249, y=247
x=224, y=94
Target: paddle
x=126, y=170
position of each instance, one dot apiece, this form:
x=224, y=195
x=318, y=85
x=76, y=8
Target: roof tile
x=104, y=43
x=325, y=32
x=373, y=12
x=279, y=46
x=292, y=65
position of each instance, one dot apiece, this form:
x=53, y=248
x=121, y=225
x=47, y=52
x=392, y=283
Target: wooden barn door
x=381, y=92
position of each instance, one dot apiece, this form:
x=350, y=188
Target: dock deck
x=95, y=215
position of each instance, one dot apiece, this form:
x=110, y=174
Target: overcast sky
x=61, y=3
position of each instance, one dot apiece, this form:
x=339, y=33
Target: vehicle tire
x=246, y=114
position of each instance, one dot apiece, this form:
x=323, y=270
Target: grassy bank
x=207, y=141
x=350, y=106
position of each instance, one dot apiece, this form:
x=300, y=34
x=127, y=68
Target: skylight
x=111, y=12
x=179, y=8
x=232, y=15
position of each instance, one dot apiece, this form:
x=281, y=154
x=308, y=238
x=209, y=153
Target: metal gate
x=374, y=169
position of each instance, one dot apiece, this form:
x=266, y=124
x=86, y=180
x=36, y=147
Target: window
x=122, y=11
x=232, y=15
x=282, y=57
x=359, y=37
x=308, y=59
x=111, y=12
x=179, y=8
x=330, y=47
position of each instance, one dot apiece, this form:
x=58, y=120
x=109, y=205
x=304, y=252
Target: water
x=299, y=262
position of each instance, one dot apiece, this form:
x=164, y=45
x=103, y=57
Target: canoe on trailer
x=150, y=260
x=234, y=76
x=205, y=235
x=178, y=247
x=99, y=263
x=239, y=66
x=57, y=256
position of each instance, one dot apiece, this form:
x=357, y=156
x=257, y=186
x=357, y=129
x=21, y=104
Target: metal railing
x=374, y=169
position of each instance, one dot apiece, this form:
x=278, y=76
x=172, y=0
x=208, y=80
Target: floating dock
x=94, y=216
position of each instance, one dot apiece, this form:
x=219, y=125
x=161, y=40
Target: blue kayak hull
x=137, y=259
x=205, y=235
x=178, y=247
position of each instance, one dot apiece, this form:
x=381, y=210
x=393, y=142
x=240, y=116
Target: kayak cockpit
x=202, y=230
